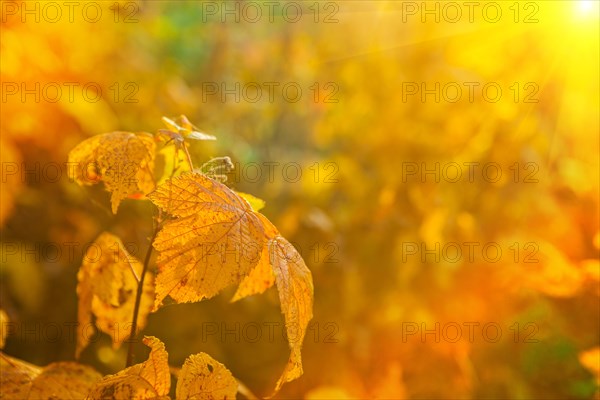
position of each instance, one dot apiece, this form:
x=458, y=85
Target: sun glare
x=587, y=8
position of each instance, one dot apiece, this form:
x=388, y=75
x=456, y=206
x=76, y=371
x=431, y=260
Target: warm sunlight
x=585, y=6
x=587, y=9
x=293, y=199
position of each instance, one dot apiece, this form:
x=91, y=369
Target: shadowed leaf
x=107, y=284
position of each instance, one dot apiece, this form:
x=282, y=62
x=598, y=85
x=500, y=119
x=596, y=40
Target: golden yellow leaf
x=64, y=380
x=61, y=380
x=3, y=328
x=258, y=280
x=182, y=126
x=256, y=203
x=261, y=277
x=218, y=240
x=16, y=377
x=124, y=161
x=148, y=380
x=168, y=162
x=215, y=242
x=107, y=284
x=295, y=287
x=204, y=378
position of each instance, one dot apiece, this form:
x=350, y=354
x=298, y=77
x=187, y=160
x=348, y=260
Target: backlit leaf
x=261, y=277
x=182, y=126
x=256, y=203
x=215, y=242
x=16, y=377
x=148, y=380
x=64, y=380
x=204, y=378
x=124, y=161
x=218, y=240
x=60, y=380
x=295, y=287
x=107, y=284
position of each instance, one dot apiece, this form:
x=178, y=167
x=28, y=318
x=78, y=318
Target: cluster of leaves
x=201, y=377
x=199, y=221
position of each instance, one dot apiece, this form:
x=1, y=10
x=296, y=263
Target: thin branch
x=189, y=159
x=135, y=275
x=138, y=299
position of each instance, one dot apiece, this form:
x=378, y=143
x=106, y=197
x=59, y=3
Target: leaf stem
x=189, y=158
x=138, y=299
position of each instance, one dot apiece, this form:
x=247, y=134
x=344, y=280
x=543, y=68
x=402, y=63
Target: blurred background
x=358, y=169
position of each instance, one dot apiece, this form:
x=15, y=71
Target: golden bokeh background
x=378, y=225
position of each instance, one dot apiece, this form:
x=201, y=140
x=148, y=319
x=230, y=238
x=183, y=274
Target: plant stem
x=189, y=159
x=138, y=300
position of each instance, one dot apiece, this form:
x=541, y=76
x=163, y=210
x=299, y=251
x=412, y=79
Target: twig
x=189, y=159
x=138, y=300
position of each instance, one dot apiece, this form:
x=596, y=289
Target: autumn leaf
x=196, y=262
x=258, y=280
x=16, y=377
x=256, y=203
x=64, y=380
x=204, y=378
x=124, y=161
x=148, y=380
x=107, y=284
x=181, y=127
x=261, y=277
x=61, y=380
x=295, y=288
x=168, y=163
x=215, y=241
